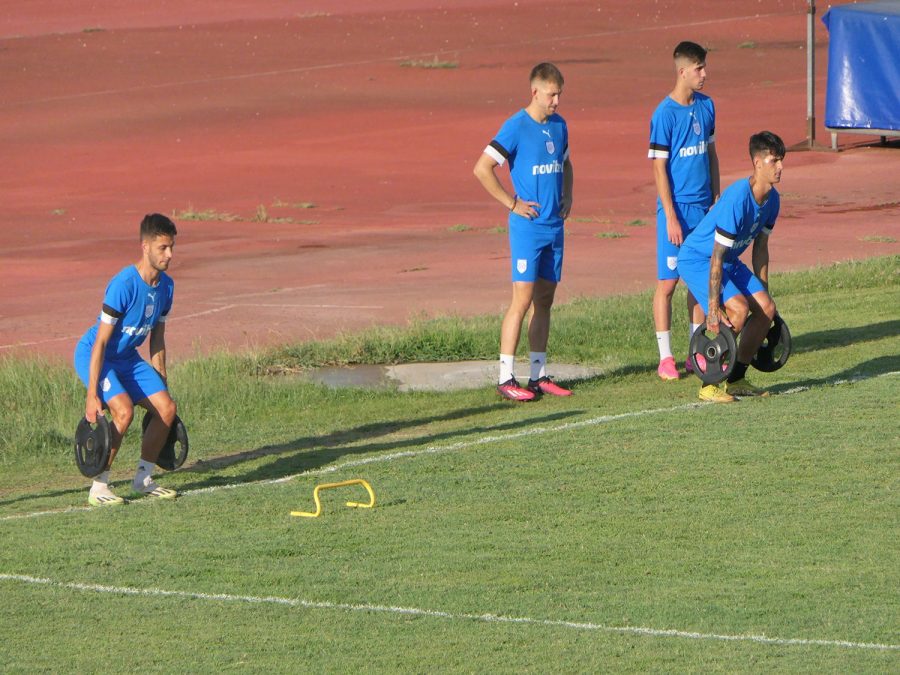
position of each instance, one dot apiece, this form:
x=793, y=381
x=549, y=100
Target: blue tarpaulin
x=863, y=66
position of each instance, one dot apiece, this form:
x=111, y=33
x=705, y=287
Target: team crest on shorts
x=550, y=147
x=672, y=262
x=106, y=385
x=521, y=265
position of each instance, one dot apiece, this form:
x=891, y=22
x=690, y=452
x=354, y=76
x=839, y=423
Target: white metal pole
x=811, y=73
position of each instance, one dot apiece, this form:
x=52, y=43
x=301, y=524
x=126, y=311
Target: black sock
x=740, y=369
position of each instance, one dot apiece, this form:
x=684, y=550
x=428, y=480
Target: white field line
x=274, y=291
x=76, y=337
x=388, y=59
x=205, y=312
x=440, y=449
x=306, y=306
x=439, y=614
x=32, y=343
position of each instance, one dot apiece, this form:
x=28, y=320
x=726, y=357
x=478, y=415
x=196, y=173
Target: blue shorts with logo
x=689, y=216
x=737, y=279
x=128, y=375
x=537, y=252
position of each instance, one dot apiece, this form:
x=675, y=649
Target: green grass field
x=625, y=528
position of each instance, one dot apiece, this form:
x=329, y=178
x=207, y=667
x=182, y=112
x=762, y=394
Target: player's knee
x=517, y=310
x=737, y=313
x=666, y=288
x=167, y=411
x=543, y=301
x=122, y=415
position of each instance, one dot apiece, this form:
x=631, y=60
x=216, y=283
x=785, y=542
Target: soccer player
x=710, y=265
x=136, y=304
x=535, y=143
x=686, y=172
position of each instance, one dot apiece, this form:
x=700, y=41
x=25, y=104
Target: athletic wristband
x=515, y=201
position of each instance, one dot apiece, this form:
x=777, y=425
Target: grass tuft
x=278, y=203
x=597, y=220
x=205, y=214
x=435, y=63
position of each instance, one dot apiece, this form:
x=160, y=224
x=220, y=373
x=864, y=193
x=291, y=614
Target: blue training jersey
x=536, y=153
x=681, y=134
x=734, y=221
x=133, y=307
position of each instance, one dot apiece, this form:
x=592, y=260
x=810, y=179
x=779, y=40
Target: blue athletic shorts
x=689, y=216
x=536, y=252
x=130, y=375
x=737, y=279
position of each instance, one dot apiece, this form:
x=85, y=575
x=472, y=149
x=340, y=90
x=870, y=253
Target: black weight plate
x=718, y=351
x=175, y=449
x=775, y=350
x=92, y=446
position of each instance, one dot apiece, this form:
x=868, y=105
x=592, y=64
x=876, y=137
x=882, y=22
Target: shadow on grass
x=335, y=439
x=843, y=337
x=293, y=458
x=877, y=366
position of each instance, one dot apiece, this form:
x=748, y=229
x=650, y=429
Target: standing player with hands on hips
x=710, y=264
x=535, y=143
x=686, y=172
x=137, y=301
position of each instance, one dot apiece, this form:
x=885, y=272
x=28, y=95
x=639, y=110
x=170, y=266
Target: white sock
x=538, y=364
x=144, y=474
x=664, y=342
x=507, y=367
x=101, y=482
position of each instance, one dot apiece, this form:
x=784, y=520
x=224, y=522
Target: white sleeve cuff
x=491, y=152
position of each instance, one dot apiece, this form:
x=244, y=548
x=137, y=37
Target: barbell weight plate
x=718, y=351
x=92, y=446
x=181, y=442
x=775, y=350
x=175, y=449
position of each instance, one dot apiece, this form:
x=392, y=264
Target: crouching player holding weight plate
x=137, y=301
x=710, y=265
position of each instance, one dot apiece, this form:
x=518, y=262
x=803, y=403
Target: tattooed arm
x=715, y=286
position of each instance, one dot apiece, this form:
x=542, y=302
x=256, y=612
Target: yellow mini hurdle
x=329, y=486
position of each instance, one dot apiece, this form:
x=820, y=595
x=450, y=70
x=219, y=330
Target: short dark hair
x=547, y=72
x=690, y=51
x=156, y=224
x=765, y=142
